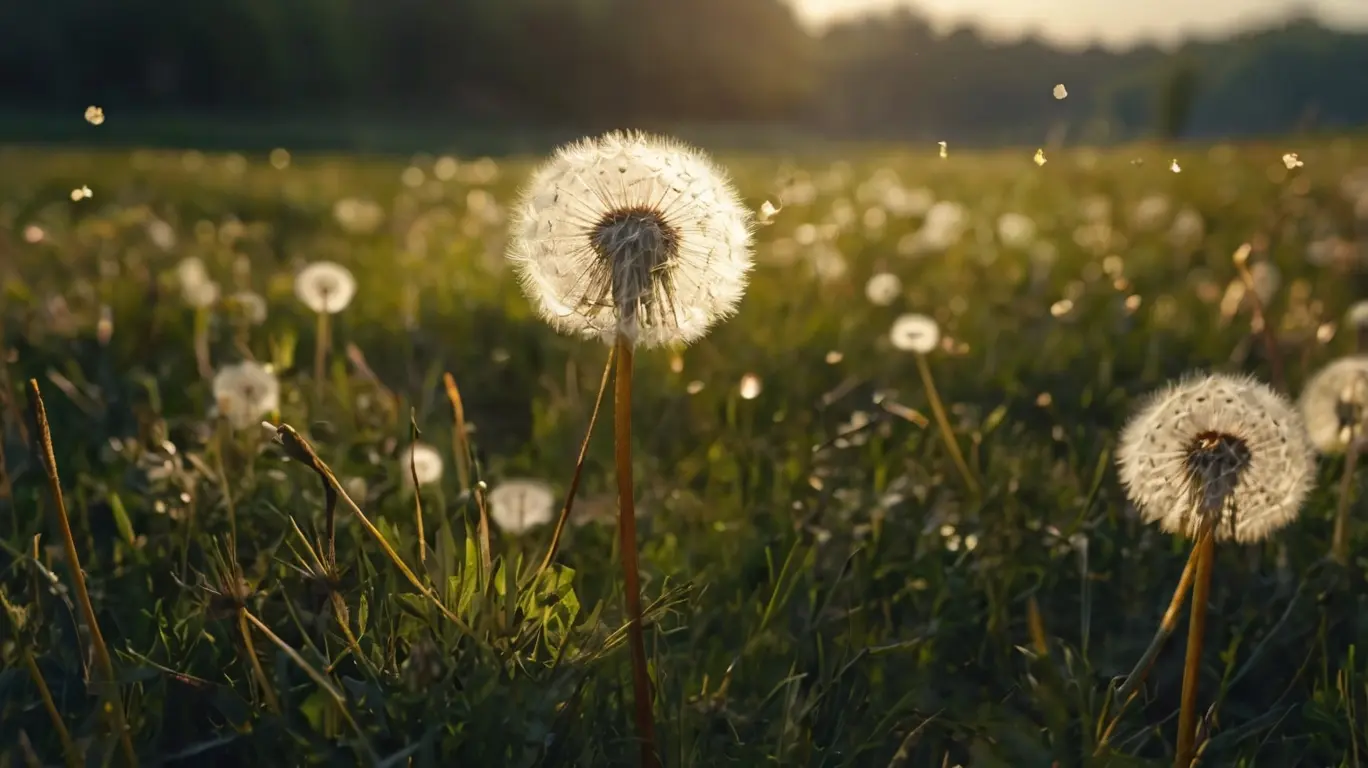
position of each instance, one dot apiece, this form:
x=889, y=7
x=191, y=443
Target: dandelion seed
x=915, y=333
x=694, y=387
x=325, y=287
x=834, y=356
x=94, y=115
x=750, y=387
x=1222, y=446
x=517, y=506
x=33, y=234
x=1291, y=161
x=1175, y=167
x=944, y=150
x=634, y=237
x=245, y=392
x=767, y=212
x=80, y=193
x=1040, y=157
x=1334, y=404
x=420, y=460
x=883, y=289
x=1060, y=92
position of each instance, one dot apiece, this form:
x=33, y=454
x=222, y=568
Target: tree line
x=590, y=63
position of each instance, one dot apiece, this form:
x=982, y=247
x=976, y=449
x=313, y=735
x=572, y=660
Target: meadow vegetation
x=823, y=584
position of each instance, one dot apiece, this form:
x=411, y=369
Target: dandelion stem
x=1339, y=542
x=459, y=439
x=947, y=434
x=202, y=362
x=1201, y=591
x=1258, y=320
x=579, y=468
x=631, y=575
x=267, y=691
x=321, y=344
x=1130, y=687
x=103, y=662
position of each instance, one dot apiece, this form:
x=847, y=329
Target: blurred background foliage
x=387, y=74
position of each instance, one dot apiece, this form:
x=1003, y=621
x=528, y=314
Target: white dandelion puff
x=245, y=392
x=420, y=461
x=915, y=333
x=631, y=236
x=249, y=306
x=196, y=288
x=1334, y=404
x=1358, y=315
x=751, y=387
x=325, y=287
x=883, y=289
x=519, y=505
x=1223, y=446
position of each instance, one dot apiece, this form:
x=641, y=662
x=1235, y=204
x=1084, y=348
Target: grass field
x=824, y=587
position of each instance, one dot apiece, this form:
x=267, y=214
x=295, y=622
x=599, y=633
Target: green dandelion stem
x=1339, y=541
x=947, y=434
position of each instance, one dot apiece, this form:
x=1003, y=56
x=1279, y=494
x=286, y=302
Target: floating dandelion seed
x=1292, y=161
x=325, y=287
x=245, y=392
x=422, y=461
x=767, y=212
x=1220, y=446
x=1175, y=167
x=517, y=506
x=1060, y=92
x=1040, y=157
x=751, y=386
x=915, y=333
x=1334, y=404
x=944, y=150
x=80, y=193
x=631, y=236
x=883, y=289
x=94, y=115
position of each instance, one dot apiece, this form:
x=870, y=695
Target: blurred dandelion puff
x=422, y=463
x=915, y=333
x=1334, y=405
x=520, y=505
x=326, y=288
x=245, y=392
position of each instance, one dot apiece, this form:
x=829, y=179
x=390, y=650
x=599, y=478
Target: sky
x=1107, y=21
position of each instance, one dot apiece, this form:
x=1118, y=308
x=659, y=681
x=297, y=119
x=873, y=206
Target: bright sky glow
x=1109, y=21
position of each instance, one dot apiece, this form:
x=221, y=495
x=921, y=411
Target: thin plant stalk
x=266, y=690
x=579, y=468
x=1258, y=320
x=321, y=344
x=202, y=362
x=943, y=423
x=418, y=505
x=631, y=574
x=103, y=662
x=1130, y=687
x=1339, y=541
x=460, y=441
x=70, y=752
x=1192, y=666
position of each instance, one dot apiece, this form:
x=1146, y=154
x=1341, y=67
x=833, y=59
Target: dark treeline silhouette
x=589, y=63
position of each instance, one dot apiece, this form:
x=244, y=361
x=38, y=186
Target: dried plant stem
x=1192, y=667
x=1258, y=319
x=103, y=662
x=579, y=468
x=227, y=487
x=1339, y=541
x=418, y=505
x=460, y=441
x=266, y=690
x=631, y=574
x=947, y=434
x=1130, y=687
x=202, y=362
x=69, y=751
x=321, y=343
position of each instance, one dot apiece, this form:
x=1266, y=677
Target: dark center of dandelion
x=635, y=247
x=1215, y=461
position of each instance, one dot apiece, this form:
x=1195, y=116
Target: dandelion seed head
x=633, y=236
x=422, y=461
x=1060, y=92
x=249, y=306
x=520, y=505
x=915, y=333
x=1358, y=315
x=1224, y=446
x=883, y=289
x=94, y=115
x=325, y=287
x=1292, y=161
x=244, y=392
x=1334, y=404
